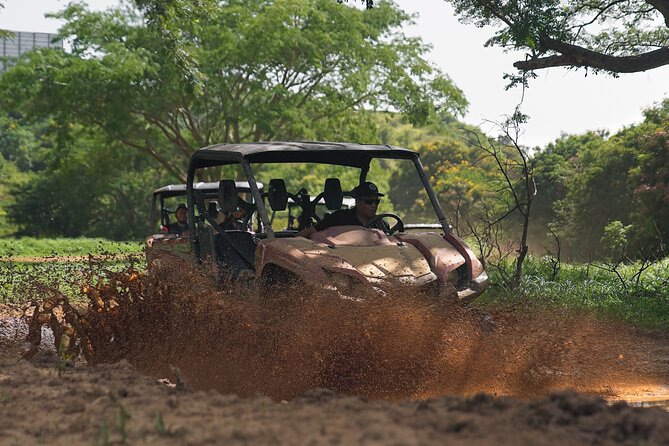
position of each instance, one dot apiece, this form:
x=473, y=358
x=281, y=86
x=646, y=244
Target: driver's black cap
x=366, y=189
x=181, y=205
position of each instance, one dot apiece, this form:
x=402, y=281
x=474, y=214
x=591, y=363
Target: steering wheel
x=399, y=226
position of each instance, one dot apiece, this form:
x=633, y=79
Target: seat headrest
x=333, y=194
x=227, y=195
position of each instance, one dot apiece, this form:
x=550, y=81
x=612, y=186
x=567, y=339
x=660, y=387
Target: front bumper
x=347, y=286
x=474, y=288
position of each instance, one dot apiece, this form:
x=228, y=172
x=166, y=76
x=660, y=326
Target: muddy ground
x=175, y=361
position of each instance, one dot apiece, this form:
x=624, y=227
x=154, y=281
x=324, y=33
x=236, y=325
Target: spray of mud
x=248, y=340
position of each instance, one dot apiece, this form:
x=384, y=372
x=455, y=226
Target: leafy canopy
x=588, y=181
x=287, y=69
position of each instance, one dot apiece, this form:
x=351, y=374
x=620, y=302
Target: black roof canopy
x=343, y=154
x=175, y=190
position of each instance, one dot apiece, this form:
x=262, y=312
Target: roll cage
x=209, y=190
x=341, y=154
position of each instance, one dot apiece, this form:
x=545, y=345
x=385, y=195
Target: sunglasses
x=371, y=201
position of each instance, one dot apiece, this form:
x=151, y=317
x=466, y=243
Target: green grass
x=591, y=289
x=21, y=281
x=56, y=247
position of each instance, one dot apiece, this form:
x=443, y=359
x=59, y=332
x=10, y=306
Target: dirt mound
x=61, y=404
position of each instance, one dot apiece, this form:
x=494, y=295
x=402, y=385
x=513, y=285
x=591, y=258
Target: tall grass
x=589, y=287
x=23, y=278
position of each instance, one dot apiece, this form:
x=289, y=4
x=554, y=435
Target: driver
x=180, y=227
x=367, y=199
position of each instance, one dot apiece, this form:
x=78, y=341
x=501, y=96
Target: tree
x=369, y=4
x=615, y=36
x=268, y=70
x=165, y=18
x=589, y=181
x=515, y=189
x=650, y=177
x=82, y=190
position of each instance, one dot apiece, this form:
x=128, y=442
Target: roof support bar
x=364, y=170
x=448, y=234
x=194, y=240
x=257, y=197
x=433, y=197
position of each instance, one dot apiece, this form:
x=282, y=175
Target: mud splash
x=178, y=323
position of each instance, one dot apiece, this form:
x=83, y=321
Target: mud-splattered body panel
x=368, y=255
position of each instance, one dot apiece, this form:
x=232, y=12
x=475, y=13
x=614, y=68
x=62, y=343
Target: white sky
x=558, y=101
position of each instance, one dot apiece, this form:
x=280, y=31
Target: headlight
x=342, y=282
x=481, y=282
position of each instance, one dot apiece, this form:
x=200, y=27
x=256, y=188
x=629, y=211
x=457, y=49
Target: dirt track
x=400, y=357
x=51, y=404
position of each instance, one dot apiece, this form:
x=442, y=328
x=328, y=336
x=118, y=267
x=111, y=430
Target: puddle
x=654, y=397
x=664, y=404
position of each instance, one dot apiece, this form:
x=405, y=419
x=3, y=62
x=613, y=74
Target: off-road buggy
x=176, y=193
x=342, y=259
x=163, y=205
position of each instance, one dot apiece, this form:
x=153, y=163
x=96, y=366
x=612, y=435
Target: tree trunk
x=522, y=249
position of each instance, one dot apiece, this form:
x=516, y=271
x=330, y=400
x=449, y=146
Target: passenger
x=367, y=199
x=180, y=227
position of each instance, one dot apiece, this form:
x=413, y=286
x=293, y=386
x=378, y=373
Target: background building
x=20, y=42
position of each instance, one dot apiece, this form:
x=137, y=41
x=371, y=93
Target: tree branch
x=171, y=134
x=602, y=10
x=577, y=56
x=192, y=125
x=148, y=148
x=663, y=7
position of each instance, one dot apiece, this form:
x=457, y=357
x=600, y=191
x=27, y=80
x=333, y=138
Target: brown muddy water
x=177, y=324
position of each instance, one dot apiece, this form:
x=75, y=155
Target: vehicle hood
x=355, y=251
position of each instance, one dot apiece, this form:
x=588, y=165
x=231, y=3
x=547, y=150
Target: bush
x=589, y=287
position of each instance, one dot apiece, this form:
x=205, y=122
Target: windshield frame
x=266, y=226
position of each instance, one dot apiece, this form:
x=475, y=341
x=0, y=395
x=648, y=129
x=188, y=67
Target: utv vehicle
x=164, y=203
x=342, y=259
x=176, y=193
